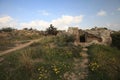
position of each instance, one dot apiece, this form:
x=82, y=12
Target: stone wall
x=102, y=34
x=74, y=31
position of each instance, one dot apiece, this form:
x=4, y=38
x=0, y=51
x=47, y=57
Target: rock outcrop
x=92, y=36
x=101, y=35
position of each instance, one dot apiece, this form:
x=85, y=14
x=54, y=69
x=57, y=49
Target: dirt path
x=84, y=64
x=80, y=67
x=18, y=47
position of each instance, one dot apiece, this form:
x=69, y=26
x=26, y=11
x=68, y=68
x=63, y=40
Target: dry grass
x=26, y=60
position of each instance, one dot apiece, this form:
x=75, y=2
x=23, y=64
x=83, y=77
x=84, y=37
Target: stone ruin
x=75, y=31
x=92, y=36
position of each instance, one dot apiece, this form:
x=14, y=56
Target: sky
x=39, y=14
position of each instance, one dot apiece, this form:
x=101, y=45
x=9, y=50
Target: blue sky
x=61, y=13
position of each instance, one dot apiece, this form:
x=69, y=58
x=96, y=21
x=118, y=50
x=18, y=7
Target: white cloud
x=65, y=21
x=7, y=21
x=39, y=24
x=102, y=13
x=61, y=23
x=118, y=9
x=113, y=26
x=43, y=12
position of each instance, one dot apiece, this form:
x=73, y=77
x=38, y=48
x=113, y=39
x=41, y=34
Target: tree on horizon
x=51, y=30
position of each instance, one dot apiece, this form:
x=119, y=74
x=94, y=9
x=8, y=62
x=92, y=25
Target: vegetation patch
x=116, y=39
x=104, y=63
x=42, y=60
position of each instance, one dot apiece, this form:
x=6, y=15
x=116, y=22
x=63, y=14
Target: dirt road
x=18, y=47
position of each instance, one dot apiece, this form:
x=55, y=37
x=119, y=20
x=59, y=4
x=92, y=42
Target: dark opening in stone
x=82, y=38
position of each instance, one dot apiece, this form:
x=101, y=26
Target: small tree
x=51, y=30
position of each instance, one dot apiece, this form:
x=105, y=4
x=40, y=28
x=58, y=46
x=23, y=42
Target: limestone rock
x=92, y=36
